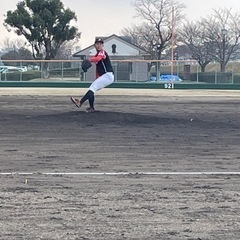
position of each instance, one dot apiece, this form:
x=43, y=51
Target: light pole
x=157, y=50
x=224, y=33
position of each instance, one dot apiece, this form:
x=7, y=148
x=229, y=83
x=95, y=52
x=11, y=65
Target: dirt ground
x=187, y=131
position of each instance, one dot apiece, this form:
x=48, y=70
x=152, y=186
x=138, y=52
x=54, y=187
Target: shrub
x=236, y=78
x=58, y=71
x=212, y=77
x=16, y=76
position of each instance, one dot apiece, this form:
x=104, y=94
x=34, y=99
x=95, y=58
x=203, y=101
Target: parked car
x=8, y=69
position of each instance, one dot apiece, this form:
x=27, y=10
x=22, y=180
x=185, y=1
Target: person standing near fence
x=104, y=75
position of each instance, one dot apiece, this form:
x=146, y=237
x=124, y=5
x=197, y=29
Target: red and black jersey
x=103, y=62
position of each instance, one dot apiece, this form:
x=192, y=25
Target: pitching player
x=104, y=73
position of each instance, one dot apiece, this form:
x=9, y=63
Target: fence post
x=62, y=71
x=41, y=70
x=177, y=68
x=197, y=73
x=135, y=65
x=116, y=72
x=21, y=72
x=79, y=72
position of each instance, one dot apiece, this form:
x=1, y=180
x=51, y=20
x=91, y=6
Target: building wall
x=122, y=49
x=139, y=72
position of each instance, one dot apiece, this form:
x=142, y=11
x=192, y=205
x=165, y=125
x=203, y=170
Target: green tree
x=44, y=23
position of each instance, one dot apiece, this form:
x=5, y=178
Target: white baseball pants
x=102, y=82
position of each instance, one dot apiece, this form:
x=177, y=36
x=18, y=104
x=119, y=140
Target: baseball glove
x=86, y=64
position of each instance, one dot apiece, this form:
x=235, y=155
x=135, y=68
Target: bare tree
x=15, y=49
x=67, y=49
x=65, y=52
x=19, y=54
x=215, y=37
x=222, y=35
x=193, y=35
x=157, y=28
x=144, y=37
x=9, y=44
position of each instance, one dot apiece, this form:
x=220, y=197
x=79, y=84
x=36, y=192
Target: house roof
x=125, y=39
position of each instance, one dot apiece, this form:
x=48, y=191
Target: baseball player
x=104, y=72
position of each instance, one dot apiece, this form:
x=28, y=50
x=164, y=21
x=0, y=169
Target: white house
x=120, y=48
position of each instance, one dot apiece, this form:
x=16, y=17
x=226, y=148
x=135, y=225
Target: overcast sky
x=105, y=17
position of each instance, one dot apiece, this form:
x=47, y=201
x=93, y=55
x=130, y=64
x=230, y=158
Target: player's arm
x=101, y=55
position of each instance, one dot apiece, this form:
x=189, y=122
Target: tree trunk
x=203, y=67
x=223, y=66
x=45, y=70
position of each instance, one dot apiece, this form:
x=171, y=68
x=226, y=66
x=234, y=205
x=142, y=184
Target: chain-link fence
x=124, y=71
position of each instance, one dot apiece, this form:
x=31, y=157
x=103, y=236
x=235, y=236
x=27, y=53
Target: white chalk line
x=115, y=173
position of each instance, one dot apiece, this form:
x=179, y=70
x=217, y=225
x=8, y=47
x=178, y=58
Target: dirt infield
x=158, y=131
